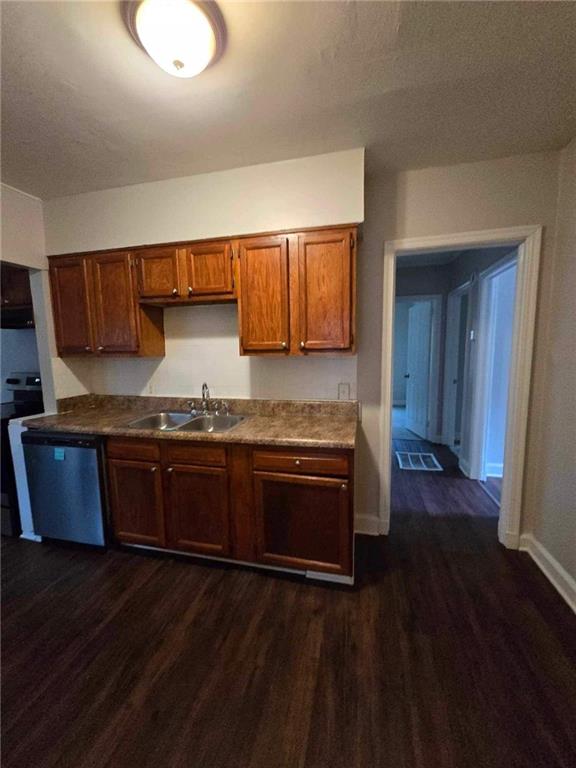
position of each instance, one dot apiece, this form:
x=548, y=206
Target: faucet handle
x=224, y=408
x=192, y=405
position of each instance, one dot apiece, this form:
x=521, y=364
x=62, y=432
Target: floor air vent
x=423, y=462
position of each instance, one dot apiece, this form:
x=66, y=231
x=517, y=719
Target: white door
x=418, y=367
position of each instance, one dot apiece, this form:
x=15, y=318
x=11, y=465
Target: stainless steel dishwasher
x=66, y=485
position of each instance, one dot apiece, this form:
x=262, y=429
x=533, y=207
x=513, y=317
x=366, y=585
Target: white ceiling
x=435, y=259
x=418, y=84
x=439, y=258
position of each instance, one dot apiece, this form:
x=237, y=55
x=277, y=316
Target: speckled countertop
x=316, y=424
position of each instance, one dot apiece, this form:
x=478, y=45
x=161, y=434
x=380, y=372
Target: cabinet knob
x=284, y=345
x=302, y=345
x=174, y=291
x=297, y=462
x=153, y=469
x=87, y=349
x=190, y=291
x=170, y=469
x=343, y=487
x=100, y=349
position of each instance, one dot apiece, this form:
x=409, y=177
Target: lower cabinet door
x=136, y=500
x=303, y=522
x=197, y=509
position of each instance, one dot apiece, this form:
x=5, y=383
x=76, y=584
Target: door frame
x=528, y=240
x=451, y=350
x=435, y=347
x=483, y=365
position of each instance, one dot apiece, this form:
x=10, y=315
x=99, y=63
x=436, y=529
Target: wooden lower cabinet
x=303, y=522
x=136, y=501
x=197, y=509
x=270, y=506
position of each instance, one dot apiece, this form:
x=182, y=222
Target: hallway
x=440, y=494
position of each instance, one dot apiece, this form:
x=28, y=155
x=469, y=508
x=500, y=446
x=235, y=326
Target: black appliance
x=17, y=317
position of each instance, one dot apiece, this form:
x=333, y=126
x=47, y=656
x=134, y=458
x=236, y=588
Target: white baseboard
x=30, y=536
x=370, y=525
x=494, y=470
x=551, y=568
x=508, y=539
x=464, y=466
x=436, y=439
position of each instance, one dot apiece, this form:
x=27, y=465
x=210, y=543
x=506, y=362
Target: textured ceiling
x=417, y=84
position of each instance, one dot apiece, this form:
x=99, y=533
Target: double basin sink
x=168, y=421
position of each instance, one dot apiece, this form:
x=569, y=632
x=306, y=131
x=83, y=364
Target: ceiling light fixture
x=183, y=37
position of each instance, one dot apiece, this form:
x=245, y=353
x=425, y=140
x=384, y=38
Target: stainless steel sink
x=212, y=423
x=167, y=421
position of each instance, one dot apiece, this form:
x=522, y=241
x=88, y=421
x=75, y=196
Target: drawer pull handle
x=174, y=291
x=297, y=462
x=343, y=487
x=153, y=469
x=170, y=469
x=88, y=349
x=100, y=349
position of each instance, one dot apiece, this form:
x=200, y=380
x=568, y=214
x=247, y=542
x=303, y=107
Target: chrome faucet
x=205, y=398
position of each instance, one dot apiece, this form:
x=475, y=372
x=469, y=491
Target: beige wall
x=551, y=488
x=22, y=229
x=490, y=194
x=308, y=192
x=202, y=342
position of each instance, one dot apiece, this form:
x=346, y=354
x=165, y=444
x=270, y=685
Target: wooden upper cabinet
x=326, y=290
x=71, y=281
x=263, y=300
x=158, y=271
x=114, y=305
x=15, y=287
x=209, y=270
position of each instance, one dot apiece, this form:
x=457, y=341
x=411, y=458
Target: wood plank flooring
x=493, y=486
x=449, y=652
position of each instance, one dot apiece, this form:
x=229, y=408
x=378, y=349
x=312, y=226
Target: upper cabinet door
x=263, y=295
x=326, y=284
x=209, y=269
x=70, y=282
x=15, y=287
x=158, y=273
x=114, y=303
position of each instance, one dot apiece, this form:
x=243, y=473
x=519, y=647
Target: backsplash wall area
x=202, y=345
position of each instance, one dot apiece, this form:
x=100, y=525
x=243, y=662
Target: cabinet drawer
x=139, y=450
x=301, y=463
x=185, y=453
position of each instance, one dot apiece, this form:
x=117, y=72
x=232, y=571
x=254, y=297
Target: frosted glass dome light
x=181, y=36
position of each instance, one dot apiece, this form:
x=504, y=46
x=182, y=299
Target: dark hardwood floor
x=449, y=652
x=493, y=486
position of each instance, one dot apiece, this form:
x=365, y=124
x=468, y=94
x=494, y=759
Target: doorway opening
x=20, y=379
x=476, y=425
x=463, y=334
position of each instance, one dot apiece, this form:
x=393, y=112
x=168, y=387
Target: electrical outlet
x=344, y=391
